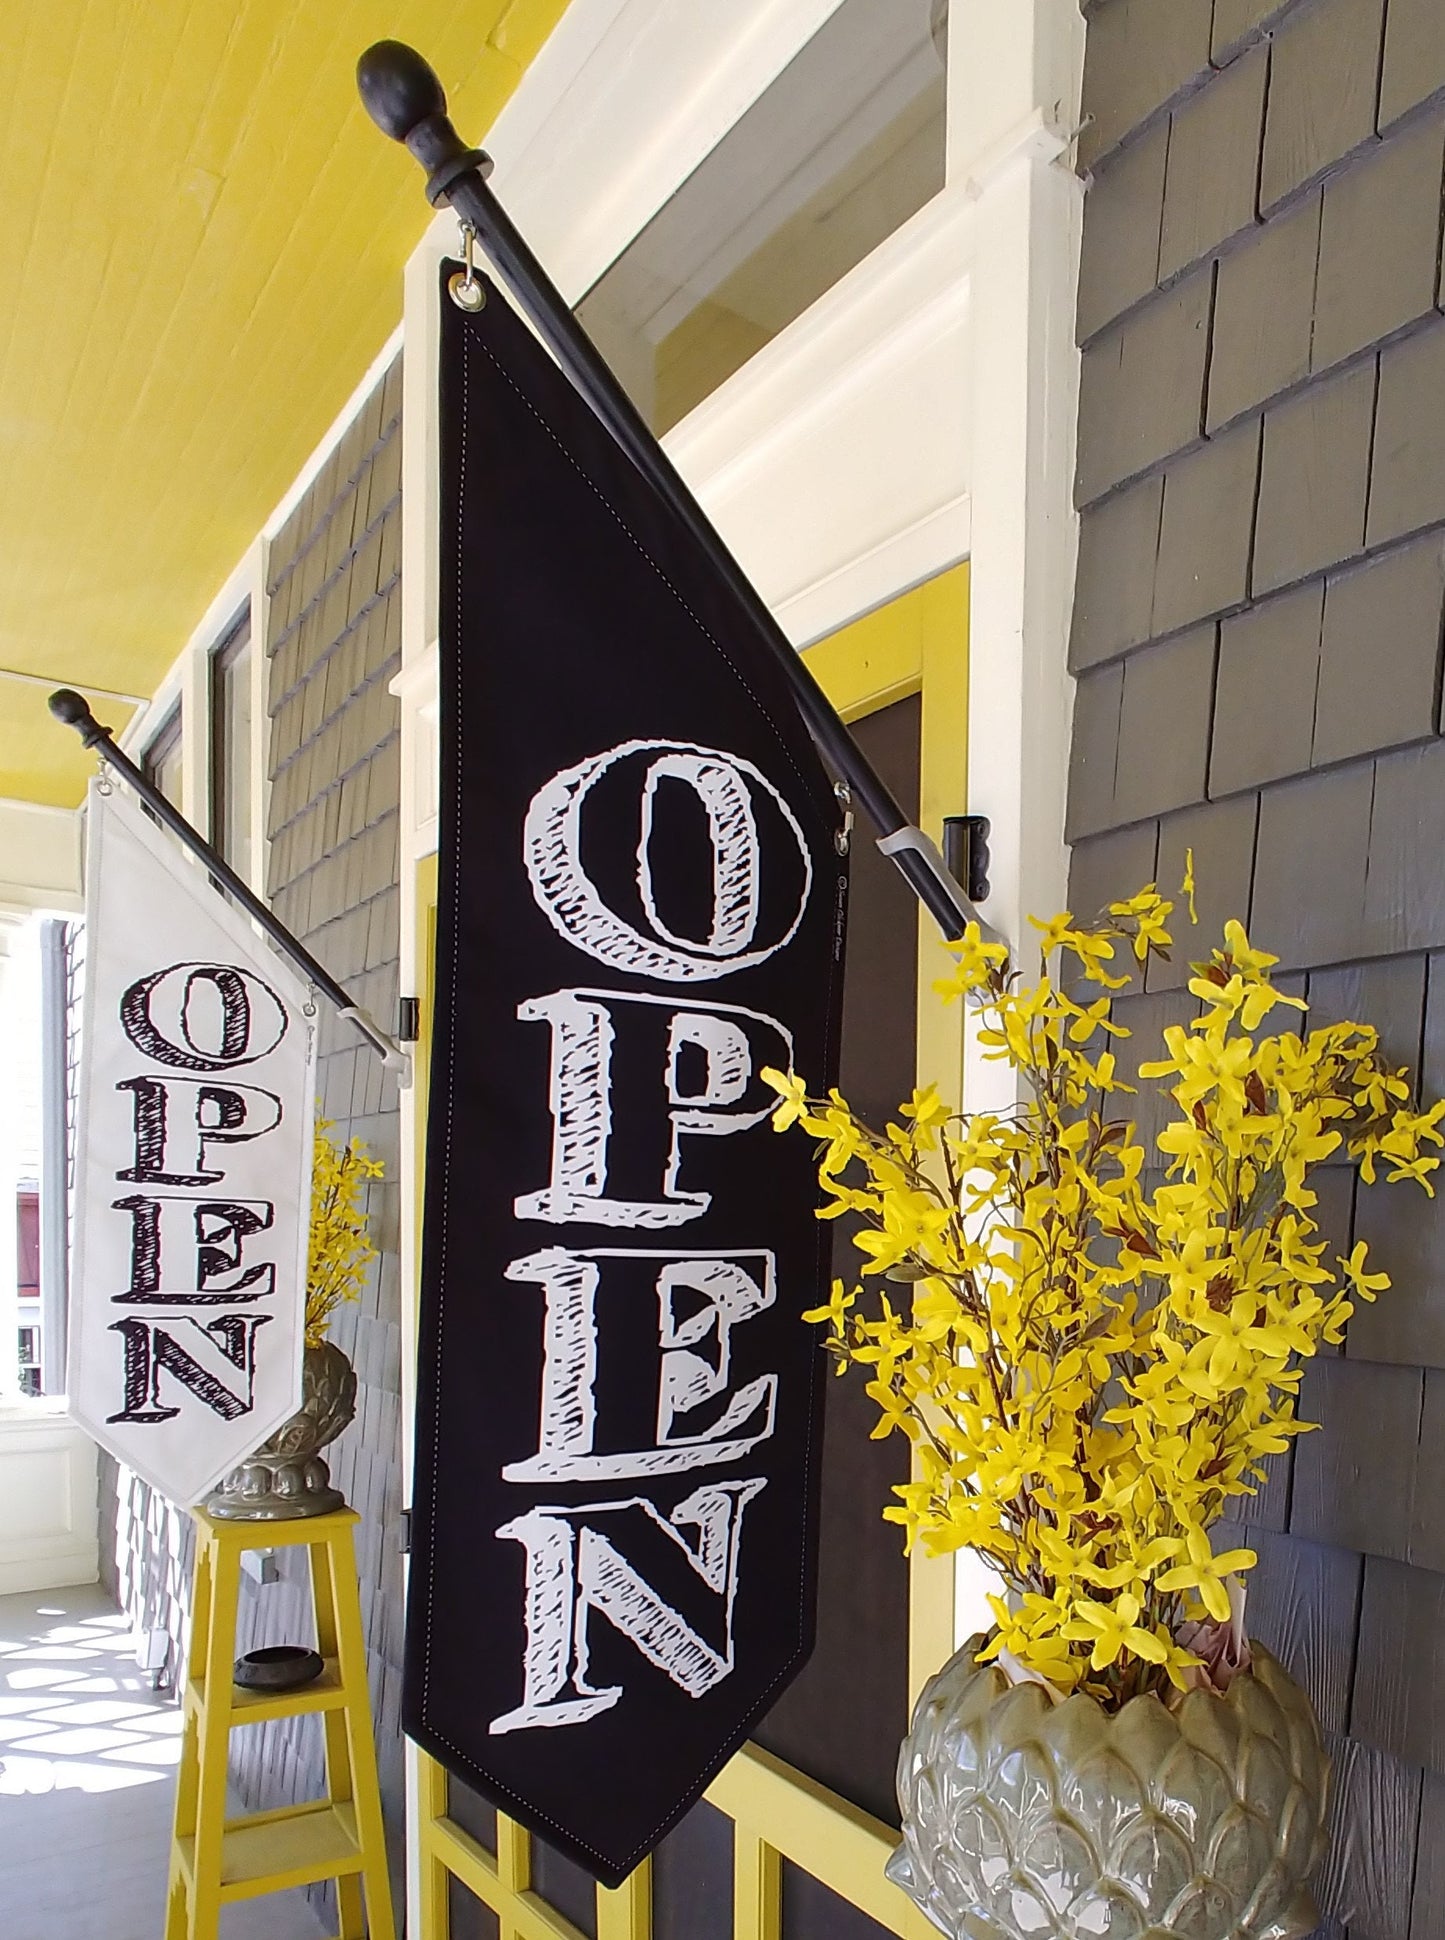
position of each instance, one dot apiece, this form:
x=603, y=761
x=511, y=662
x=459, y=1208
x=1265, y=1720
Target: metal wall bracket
x=965, y=850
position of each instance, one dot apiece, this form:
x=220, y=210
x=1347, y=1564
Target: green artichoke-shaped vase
x=1029, y=1820
x=286, y=1477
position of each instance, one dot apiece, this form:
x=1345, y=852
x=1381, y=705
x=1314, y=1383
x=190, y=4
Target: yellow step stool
x=215, y=1860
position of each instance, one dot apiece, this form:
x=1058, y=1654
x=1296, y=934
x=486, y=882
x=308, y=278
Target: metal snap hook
x=465, y=288
x=843, y=838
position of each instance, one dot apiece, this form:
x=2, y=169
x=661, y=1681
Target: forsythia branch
x=339, y=1248
x=1092, y=1364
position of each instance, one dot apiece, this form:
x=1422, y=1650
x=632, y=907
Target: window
x=161, y=762
x=844, y=146
x=27, y=1235
x=27, y=1217
x=231, y=779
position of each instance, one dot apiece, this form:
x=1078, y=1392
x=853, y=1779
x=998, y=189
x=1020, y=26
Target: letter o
x=161, y=1016
x=728, y=789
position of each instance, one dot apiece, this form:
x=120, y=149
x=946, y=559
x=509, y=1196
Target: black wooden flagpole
x=74, y=710
x=406, y=101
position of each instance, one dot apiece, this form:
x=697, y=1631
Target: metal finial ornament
x=74, y=710
x=405, y=99
x=465, y=288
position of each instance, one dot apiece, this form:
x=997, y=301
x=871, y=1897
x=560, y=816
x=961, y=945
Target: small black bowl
x=279, y=1667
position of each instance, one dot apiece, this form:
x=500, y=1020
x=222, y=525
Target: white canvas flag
x=193, y=1166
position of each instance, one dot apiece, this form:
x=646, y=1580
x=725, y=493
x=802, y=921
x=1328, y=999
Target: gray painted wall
x=1257, y=645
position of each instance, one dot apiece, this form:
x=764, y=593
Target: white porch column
x=11, y=1025
x=1014, y=83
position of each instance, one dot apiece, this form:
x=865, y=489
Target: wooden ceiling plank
x=205, y=237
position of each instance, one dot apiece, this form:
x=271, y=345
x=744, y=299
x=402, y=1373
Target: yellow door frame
x=916, y=644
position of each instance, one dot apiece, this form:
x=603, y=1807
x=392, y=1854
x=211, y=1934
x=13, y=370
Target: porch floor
x=87, y=1778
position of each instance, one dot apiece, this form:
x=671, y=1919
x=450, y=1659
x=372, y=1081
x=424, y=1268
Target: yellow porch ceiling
x=41, y=761
x=203, y=239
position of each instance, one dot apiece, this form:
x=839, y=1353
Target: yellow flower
x=1186, y=888
x=925, y=1107
x=1252, y=963
x=1366, y=1285
x=792, y=1096
x=1112, y=1628
x=838, y=1304
x=977, y=961
x=1088, y=1018
x=1147, y=912
x=910, y=1221
x=1205, y=1572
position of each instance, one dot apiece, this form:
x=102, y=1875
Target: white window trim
x=877, y=365
x=188, y=683
x=620, y=106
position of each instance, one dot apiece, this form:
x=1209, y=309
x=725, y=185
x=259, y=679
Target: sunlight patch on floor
x=76, y=1713
x=88, y=1754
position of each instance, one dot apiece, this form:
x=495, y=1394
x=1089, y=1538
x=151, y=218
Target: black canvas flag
x=641, y=908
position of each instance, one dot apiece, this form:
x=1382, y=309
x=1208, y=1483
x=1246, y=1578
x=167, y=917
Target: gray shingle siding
x=333, y=641
x=1257, y=644
x=1138, y=56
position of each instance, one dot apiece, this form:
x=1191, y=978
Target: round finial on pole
x=399, y=89
x=68, y=706
x=406, y=101
x=74, y=710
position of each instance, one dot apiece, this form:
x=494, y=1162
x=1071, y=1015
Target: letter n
x=216, y=1363
x=678, y=1615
